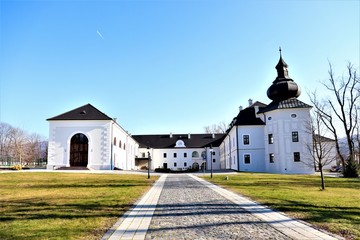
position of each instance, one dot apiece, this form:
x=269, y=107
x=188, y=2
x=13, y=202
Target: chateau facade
x=261, y=138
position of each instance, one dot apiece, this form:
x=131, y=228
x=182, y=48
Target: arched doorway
x=79, y=145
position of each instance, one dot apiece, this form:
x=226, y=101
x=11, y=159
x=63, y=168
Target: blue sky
x=164, y=66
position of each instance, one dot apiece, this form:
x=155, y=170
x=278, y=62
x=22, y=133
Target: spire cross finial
x=280, y=51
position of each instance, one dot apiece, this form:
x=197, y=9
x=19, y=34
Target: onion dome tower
x=283, y=87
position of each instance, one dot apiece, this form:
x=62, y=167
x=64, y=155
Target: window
x=213, y=153
x=295, y=136
x=271, y=158
x=185, y=155
x=214, y=160
x=271, y=138
x=247, y=158
x=114, y=140
x=124, y=146
x=175, y=155
x=246, y=139
x=195, y=154
x=185, y=164
x=143, y=155
x=165, y=155
x=175, y=164
x=120, y=144
x=296, y=156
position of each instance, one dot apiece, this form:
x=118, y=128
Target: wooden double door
x=79, y=154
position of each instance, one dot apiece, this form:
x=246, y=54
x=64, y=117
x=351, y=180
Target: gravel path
x=189, y=210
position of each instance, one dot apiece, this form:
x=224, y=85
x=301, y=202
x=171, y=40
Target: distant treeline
x=19, y=147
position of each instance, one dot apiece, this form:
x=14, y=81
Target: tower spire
x=283, y=86
x=281, y=67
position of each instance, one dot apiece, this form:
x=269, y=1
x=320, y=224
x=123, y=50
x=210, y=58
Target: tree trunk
x=322, y=178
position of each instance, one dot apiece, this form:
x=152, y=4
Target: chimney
x=171, y=135
x=115, y=119
x=189, y=136
x=250, y=101
x=240, y=108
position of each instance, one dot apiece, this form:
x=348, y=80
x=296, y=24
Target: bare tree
x=4, y=141
x=17, y=143
x=221, y=127
x=342, y=108
x=17, y=146
x=33, y=148
x=321, y=148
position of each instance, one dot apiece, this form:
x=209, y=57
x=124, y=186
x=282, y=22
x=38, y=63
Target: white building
x=271, y=138
x=261, y=138
x=179, y=151
x=86, y=137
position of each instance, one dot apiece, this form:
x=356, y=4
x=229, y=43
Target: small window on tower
x=271, y=138
x=246, y=139
x=295, y=136
x=271, y=158
x=296, y=156
x=247, y=159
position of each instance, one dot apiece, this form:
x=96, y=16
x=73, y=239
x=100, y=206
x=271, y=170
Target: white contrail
x=97, y=31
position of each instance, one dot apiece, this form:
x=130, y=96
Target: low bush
x=162, y=170
x=17, y=167
x=143, y=168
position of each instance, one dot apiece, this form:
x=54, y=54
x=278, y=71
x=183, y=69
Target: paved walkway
x=183, y=206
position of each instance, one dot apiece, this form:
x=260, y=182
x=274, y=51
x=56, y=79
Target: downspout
x=126, y=151
x=237, y=148
x=230, y=151
x=111, y=146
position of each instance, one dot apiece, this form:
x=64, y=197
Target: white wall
x=255, y=148
x=101, y=134
x=125, y=149
x=158, y=159
x=226, y=157
x=281, y=123
x=97, y=132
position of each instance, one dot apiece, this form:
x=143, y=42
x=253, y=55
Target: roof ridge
x=87, y=109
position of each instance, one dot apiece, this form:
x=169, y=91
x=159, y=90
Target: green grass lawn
x=337, y=209
x=65, y=205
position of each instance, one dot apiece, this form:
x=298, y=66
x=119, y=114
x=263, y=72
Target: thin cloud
x=97, y=31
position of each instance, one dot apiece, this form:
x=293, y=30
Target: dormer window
x=180, y=143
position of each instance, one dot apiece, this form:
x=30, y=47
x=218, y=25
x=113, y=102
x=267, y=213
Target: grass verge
x=337, y=209
x=65, y=205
